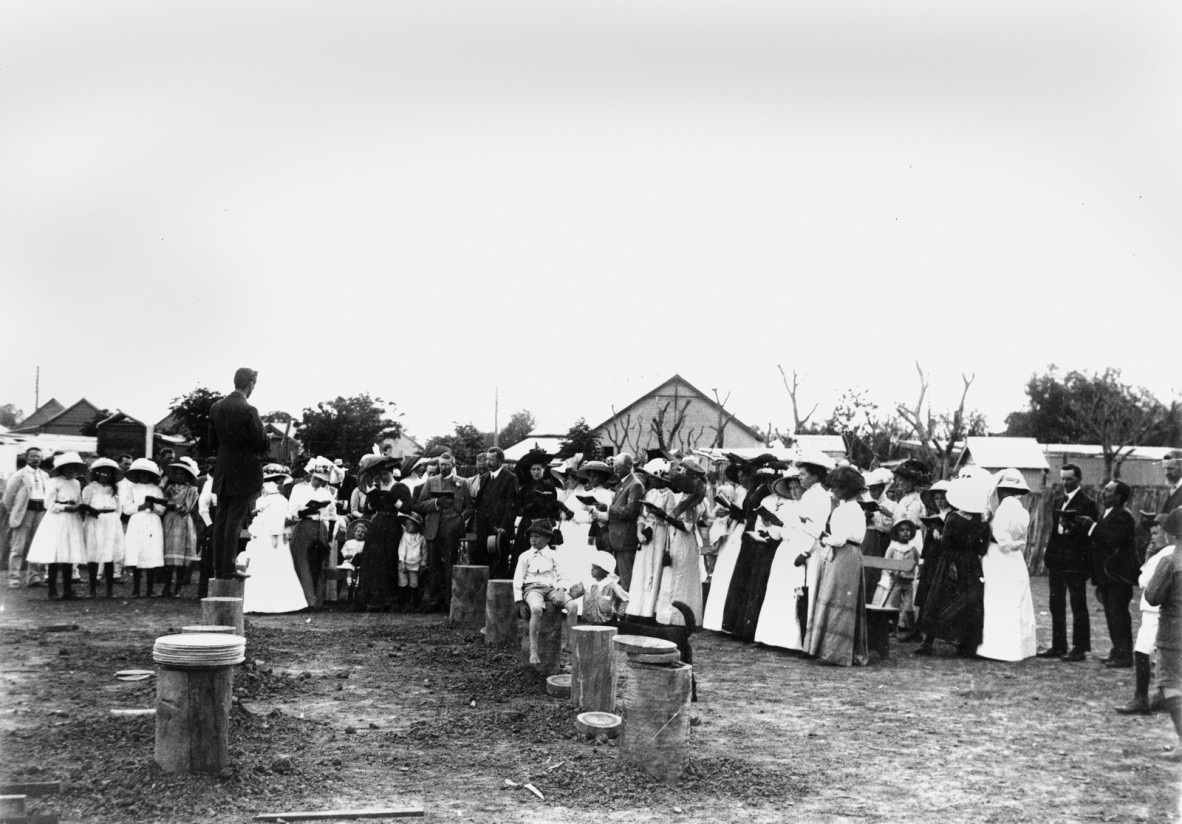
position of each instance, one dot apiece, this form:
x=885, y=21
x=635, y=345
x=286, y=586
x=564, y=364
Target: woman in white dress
x=273, y=585
x=681, y=579
x=779, y=621
x=727, y=531
x=816, y=505
x=1008, y=632
x=59, y=540
x=653, y=536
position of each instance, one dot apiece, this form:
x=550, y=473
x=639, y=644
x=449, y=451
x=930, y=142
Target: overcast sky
x=572, y=201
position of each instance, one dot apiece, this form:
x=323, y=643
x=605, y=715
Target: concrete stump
x=593, y=669
x=500, y=614
x=225, y=612
x=469, y=593
x=193, y=718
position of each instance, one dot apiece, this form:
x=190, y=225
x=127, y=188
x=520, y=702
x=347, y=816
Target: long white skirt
x=58, y=540
x=104, y=539
x=143, y=543
x=273, y=585
x=647, y=571
x=720, y=581
x=1008, y=633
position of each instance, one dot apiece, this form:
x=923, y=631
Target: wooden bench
x=881, y=621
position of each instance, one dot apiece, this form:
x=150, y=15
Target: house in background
x=1141, y=466
x=51, y=418
x=284, y=447
x=994, y=454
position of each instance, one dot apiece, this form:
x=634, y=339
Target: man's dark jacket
x=236, y=433
x=1112, y=551
x=1068, y=551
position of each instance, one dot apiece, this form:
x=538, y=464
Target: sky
x=563, y=204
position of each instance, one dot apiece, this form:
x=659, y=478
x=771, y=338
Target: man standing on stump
x=445, y=503
x=236, y=433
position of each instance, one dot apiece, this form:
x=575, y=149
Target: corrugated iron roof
x=1000, y=453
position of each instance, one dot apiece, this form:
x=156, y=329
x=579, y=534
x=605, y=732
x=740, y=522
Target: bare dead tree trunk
x=797, y=421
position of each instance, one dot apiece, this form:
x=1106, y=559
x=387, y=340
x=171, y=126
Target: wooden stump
x=226, y=612
x=593, y=669
x=657, y=719
x=500, y=614
x=226, y=587
x=549, y=640
x=469, y=593
x=193, y=718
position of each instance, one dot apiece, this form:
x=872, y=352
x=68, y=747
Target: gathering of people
x=772, y=549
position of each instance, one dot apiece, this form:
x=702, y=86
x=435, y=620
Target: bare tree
x=937, y=438
x=668, y=428
x=620, y=433
x=724, y=418
x=797, y=421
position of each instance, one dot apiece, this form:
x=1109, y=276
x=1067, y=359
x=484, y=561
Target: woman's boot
x=109, y=576
x=135, y=582
x=1140, y=703
x=92, y=574
x=53, y=596
x=166, y=576
x=151, y=583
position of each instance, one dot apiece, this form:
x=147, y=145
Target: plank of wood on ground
x=31, y=788
x=329, y=815
x=43, y=818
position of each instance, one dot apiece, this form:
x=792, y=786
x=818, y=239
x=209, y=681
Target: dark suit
x=237, y=433
x=496, y=509
x=1173, y=502
x=622, y=515
x=1066, y=558
x=443, y=529
x=1112, y=557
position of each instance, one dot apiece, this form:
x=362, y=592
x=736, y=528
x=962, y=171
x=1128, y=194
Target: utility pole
x=496, y=416
x=37, y=389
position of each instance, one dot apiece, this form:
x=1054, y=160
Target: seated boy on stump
x=536, y=581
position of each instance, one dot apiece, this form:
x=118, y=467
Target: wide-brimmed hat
x=1173, y=523
x=104, y=463
x=928, y=498
x=541, y=526
x=973, y=471
x=782, y=486
x=66, y=459
x=276, y=471
x=605, y=561
x=907, y=522
x=413, y=517
x=1011, y=479
x=657, y=466
x=879, y=477
x=321, y=468
x=535, y=457
x=814, y=457
x=693, y=466
x=355, y=525
x=594, y=466
x=188, y=464
x=144, y=465
x=370, y=464
x=912, y=470
x=967, y=495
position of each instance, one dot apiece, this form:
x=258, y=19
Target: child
x=144, y=539
x=103, y=529
x=1160, y=548
x=180, y=535
x=536, y=581
x=412, y=552
x=897, y=589
x=605, y=601
x=60, y=541
x=351, y=552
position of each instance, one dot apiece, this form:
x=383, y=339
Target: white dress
x=143, y=542
x=724, y=564
x=104, y=532
x=577, y=551
x=682, y=579
x=273, y=585
x=779, y=625
x=649, y=564
x=1008, y=632
x=59, y=539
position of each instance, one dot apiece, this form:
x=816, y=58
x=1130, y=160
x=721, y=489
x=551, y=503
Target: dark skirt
x=377, y=579
x=874, y=545
x=954, y=609
x=734, y=610
x=762, y=556
x=928, y=561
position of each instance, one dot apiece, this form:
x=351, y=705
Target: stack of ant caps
x=641, y=649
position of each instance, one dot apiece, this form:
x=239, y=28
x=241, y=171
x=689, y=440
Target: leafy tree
x=278, y=417
x=192, y=414
x=520, y=424
x=10, y=416
x=347, y=428
x=581, y=438
x=465, y=443
x=1099, y=408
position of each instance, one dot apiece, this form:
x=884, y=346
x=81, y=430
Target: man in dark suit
x=236, y=433
x=1172, y=464
x=1066, y=558
x=496, y=512
x=622, y=516
x=445, y=503
x=1112, y=557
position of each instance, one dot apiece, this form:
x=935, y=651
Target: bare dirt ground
x=343, y=710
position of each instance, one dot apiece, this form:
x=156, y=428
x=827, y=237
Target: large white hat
x=188, y=464
x=968, y=495
x=1010, y=479
x=145, y=465
x=815, y=457
x=657, y=466
x=67, y=459
x=605, y=561
x=104, y=463
x=879, y=476
x=973, y=471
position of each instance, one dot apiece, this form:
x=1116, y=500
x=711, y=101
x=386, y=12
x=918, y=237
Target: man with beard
x=1112, y=555
x=445, y=503
x=496, y=512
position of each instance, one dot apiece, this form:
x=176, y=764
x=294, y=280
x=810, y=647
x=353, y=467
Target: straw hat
x=66, y=459
x=413, y=517
x=541, y=526
x=1011, y=479
x=880, y=476
x=144, y=465
x=605, y=561
x=275, y=471
x=815, y=457
x=187, y=464
x=967, y=495
x=595, y=466
x=693, y=466
x=912, y=470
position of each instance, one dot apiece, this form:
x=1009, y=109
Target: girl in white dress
x=273, y=585
x=59, y=541
x=144, y=539
x=1008, y=631
x=103, y=528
